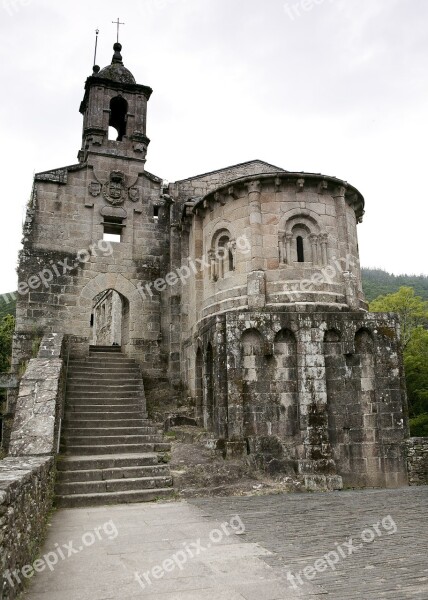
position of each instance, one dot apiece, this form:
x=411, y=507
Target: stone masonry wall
x=26, y=496
x=39, y=405
x=327, y=385
x=417, y=460
x=27, y=475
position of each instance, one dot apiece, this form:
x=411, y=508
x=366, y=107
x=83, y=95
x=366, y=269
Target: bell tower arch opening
x=118, y=118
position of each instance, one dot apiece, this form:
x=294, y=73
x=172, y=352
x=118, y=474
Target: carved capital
x=254, y=187
x=340, y=191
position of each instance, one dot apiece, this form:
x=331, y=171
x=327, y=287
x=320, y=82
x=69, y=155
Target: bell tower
x=114, y=110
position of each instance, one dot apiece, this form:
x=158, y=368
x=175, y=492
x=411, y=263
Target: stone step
x=96, y=365
x=70, y=424
x=104, y=402
x=130, y=394
x=104, y=363
x=111, y=452
x=88, y=450
x=110, y=431
x=99, y=440
x=108, y=376
x=156, y=470
x=96, y=413
x=93, y=348
x=105, y=409
x=113, y=498
x=112, y=485
x=112, y=461
x=98, y=387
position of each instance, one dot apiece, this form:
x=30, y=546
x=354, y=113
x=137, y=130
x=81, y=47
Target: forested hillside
x=7, y=308
x=377, y=282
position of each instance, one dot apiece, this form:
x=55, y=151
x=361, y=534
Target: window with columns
x=222, y=255
x=302, y=242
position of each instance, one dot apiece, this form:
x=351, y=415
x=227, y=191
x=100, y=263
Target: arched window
x=301, y=245
x=300, y=249
x=118, y=112
x=222, y=255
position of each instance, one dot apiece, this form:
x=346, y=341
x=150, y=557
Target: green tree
x=412, y=309
x=7, y=327
x=416, y=367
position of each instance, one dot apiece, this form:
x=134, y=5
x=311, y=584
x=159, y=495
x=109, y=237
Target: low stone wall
x=26, y=496
x=40, y=403
x=417, y=460
x=27, y=475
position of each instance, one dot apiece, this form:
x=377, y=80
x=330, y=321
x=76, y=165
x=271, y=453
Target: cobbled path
x=300, y=529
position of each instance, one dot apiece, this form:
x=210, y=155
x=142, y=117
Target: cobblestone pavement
x=272, y=537
x=300, y=529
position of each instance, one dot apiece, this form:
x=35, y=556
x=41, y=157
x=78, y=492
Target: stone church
x=238, y=292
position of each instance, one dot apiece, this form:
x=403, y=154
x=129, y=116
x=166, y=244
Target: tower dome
x=117, y=71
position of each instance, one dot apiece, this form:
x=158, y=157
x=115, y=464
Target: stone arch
x=332, y=336
x=364, y=341
x=222, y=254
x=252, y=342
x=301, y=239
x=134, y=302
x=213, y=228
x=304, y=214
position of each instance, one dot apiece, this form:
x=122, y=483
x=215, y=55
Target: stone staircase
x=110, y=452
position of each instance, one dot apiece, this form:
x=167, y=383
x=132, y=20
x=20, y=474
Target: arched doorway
x=110, y=319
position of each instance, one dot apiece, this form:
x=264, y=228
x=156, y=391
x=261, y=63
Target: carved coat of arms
x=134, y=194
x=114, y=188
x=95, y=188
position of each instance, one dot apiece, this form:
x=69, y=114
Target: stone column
x=232, y=249
x=281, y=246
x=288, y=240
x=220, y=406
x=211, y=258
x=254, y=193
x=342, y=224
x=314, y=246
x=324, y=240
x=256, y=286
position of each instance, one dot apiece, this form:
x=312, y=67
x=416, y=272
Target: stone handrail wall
x=40, y=402
x=417, y=460
x=27, y=475
x=26, y=496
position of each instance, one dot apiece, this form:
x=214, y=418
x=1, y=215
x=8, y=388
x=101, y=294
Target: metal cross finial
x=118, y=23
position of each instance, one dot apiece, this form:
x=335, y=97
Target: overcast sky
x=338, y=87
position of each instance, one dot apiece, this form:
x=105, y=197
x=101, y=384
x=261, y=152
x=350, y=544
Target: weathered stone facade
x=27, y=475
x=417, y=460
x=240, y=292
x=26, y=497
